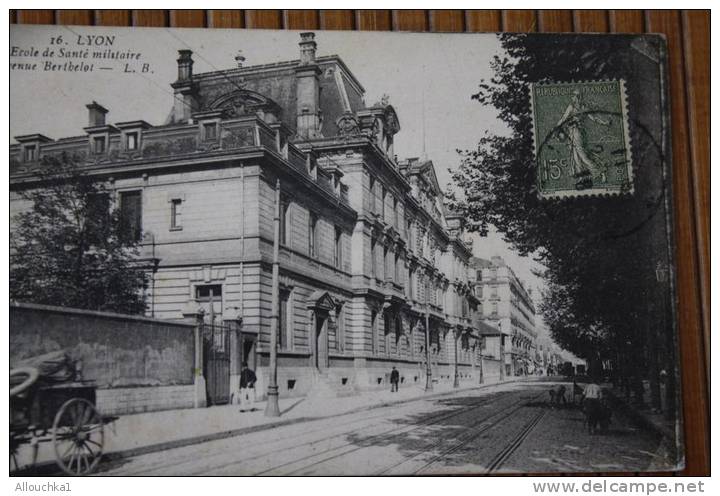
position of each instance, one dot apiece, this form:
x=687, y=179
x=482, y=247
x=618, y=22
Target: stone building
x=508, y=305
x=366, y=244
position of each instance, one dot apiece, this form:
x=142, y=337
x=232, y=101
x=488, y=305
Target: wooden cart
x=62, y=414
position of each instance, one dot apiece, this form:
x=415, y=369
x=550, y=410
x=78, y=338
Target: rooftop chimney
x=96, y=114
x=185, y=102
x=307, y=48
x=308, y=89
x=185, y=63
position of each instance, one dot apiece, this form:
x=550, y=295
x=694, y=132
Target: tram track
x=191, y=458
x=476, y=430
x=386, y=436
x=515, y=443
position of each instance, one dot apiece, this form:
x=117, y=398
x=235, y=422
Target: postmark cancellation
x=581, y=135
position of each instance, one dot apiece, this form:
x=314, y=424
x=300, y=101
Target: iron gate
x=216, y=363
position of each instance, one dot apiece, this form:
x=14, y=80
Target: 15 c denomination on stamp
x=582, y=144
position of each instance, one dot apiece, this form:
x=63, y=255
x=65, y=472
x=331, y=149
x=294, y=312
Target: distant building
x=366, y=245
x=507, y=305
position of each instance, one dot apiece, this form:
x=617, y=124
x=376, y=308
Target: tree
x=599, y=254
x=69, y=248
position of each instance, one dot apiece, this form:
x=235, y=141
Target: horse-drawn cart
x=48, y=403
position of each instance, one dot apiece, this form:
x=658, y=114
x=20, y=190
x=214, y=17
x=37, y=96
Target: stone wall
x=138, y=364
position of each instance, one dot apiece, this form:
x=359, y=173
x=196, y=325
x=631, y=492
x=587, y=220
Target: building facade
x=368, y=251
x=508, y=305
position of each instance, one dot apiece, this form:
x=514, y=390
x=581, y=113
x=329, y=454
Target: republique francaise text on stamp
x=582, y=144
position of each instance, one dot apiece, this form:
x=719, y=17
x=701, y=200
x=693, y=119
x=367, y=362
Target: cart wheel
x=78, y=437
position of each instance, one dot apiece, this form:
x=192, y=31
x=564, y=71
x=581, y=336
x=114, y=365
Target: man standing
x=394, y=380
x=247, y=388
x=593, y=407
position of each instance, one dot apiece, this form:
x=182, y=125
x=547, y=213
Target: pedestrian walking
x=394, y=380
x=592, y=396
x=247, y=388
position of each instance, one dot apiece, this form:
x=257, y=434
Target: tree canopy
x=70, y=249
x=600, y=253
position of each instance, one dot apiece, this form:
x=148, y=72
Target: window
x=384, y=194
x=285, y=338
x=30, y=153
x=340, y=319
x=398, y=334
x=397, y=268
x=411, y=279
x=99, y=144
x=312, y=236
x=210, y=131
x=209, y=296
x=373, y=258
x=284, y=221
x=396, y=214
x=338, y=248
x=176, y=214
x=408, y=234
x=386, y=263
x=131, y=215
x=494, y=308
x=493, y=291
x=373, y=207
x=131, y=141
x=98, y=206
x=373, y=331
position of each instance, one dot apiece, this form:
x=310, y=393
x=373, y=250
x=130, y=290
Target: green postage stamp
x=582, y=144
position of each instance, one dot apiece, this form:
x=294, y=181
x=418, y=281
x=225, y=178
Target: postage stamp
x=582, y=144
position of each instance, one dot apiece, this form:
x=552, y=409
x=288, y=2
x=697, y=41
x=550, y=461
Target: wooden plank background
x=688, y=35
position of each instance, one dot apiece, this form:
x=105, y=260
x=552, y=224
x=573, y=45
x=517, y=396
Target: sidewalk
x=646, y=417
x=135, y=434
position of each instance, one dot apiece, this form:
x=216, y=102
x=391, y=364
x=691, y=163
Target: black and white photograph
x=293, y=253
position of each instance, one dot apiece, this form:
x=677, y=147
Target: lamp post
x=456, y=380
x=428, y=368
x=272, y=408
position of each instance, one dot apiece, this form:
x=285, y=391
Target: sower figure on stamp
x=247, y=388
x=572, y=126
x=394, y=380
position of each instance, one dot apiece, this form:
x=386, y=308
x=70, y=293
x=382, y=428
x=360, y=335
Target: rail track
x=475, y=430
x=315, y=452
x=515, y=443
x=397, y=432
x=220, y=460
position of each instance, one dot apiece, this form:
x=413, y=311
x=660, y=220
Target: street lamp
x=456, y=380
x=272, y=407
x=428, y=368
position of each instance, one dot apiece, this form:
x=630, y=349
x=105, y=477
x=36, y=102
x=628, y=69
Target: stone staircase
x=327, y=385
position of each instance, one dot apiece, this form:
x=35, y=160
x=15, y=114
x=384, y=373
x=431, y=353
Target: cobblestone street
x=506, y=429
